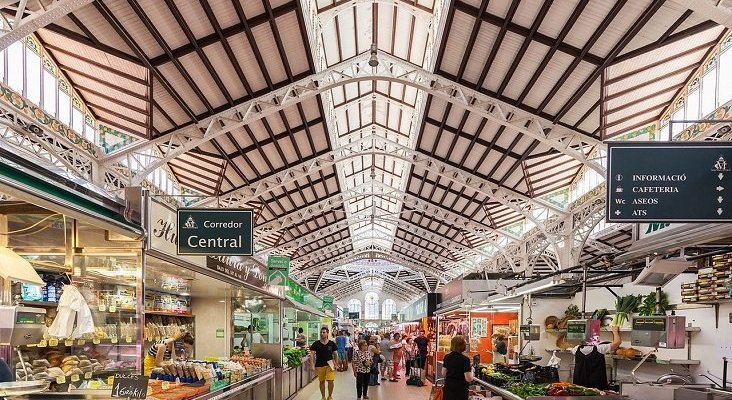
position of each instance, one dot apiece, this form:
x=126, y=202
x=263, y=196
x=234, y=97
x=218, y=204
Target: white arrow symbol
x=720, y=176
x=617, y=212
x=719, y=211
x=719, y=188
x=719, y=199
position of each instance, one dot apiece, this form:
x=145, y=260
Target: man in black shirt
x=422, y=349
x=323, y=355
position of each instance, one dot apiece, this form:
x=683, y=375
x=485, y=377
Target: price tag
x=110, y=380
x=166, y=385
x=115, y=340
x=112, y=308
x=60, y=380
x=128, y=339
x=68, y=342
x=102, y=308
x=42, y=343
x=53, y=342
x=94, y=385
x=96, y=341
x=88, y=375
x=81, y=342
x=75, y=378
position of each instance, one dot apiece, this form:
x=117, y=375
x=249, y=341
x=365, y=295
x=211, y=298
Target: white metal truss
x=404, y=290
x=371, y=253
x=532, y=209
x=356, y=69
x=26, y=21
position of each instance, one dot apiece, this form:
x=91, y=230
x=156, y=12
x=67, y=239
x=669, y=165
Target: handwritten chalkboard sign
x=129, y=386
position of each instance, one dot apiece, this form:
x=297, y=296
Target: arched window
x=372, y=306
x=388, y=309
x=354, y=305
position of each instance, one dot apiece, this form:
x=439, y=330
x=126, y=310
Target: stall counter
x=262, y=385
x=506, y=395
x=295, y=378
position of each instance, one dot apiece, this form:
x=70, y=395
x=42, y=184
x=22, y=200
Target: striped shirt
x=154, y=350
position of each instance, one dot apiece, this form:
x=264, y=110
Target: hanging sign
x=210, y=231
x=669, y=182
x=327, y=302
x=278, y=269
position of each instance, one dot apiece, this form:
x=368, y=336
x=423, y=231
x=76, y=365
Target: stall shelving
x=169, y=314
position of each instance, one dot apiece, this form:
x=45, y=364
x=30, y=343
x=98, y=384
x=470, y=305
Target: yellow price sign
x=112, y=308
x=102, y=308
x=42, y=343
x=60, y=380
x=110, y=380
x=87, y=375
x=53, y=342
x=81, y=342
x=94, y=385
x=68, y=342
x=128, y=339
x=114, y=340
x=75, y=378
x=96, y=341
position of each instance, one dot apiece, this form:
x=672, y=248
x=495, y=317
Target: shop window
x=388, y=309
x=372, y=306
x=354, y=305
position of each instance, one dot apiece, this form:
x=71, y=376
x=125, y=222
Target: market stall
x=420, y=316
x=219, y=300
x=71, y=281
x=303, y=311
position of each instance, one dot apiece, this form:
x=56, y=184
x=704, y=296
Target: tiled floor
x=345, y=389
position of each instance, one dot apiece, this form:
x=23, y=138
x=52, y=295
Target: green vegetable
x=648, y=307
x=624, y=306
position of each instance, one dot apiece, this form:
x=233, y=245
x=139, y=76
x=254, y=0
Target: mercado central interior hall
x=366, y=199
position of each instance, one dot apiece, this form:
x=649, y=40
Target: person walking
x=385, y=349
x=362, y=361
x=341, y=342
x=422, y=344
x=322, y=356
x=375, y=360
x=349, y=348
x=499, y=349
x=457, y=371
x=395, y=347
x=410, y=351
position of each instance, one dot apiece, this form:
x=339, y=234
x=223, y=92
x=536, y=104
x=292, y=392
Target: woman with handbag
x=362, y=361
x=457, y=371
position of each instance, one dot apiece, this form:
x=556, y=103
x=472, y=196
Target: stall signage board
x=278, y=269
x=129, y=386
x=669, y=182
x=238, y=269
x=295, y=292
x=215, y=232
x=327, y=302
x=354, y=315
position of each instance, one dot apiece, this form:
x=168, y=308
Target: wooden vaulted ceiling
x=597, y=67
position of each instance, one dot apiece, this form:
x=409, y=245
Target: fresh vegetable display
x=648, y=306
x=525, y=390
x=625, y=306
x=294, y=356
